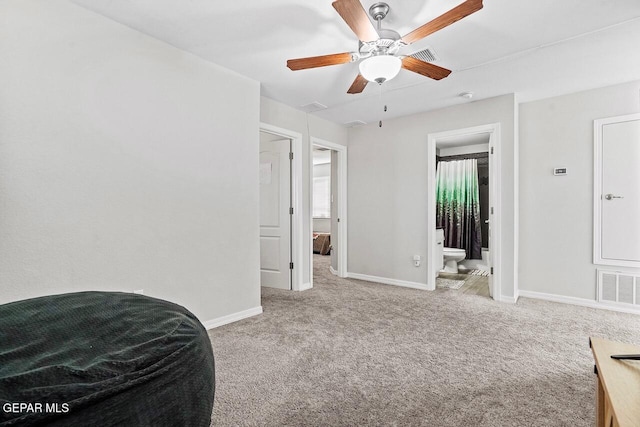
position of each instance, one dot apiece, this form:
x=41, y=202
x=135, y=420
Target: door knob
x=611, y=197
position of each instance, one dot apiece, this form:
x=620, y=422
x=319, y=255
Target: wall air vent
x=314, y=106
x=355, y=123
x=426, y=55
x=619, y=288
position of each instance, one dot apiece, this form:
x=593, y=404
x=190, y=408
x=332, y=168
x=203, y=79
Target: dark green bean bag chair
x=103, y=359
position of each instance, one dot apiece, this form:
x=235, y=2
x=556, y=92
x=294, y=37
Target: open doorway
x=323, y=212
x=328, y=208
x=462, y=213
x=481, y=139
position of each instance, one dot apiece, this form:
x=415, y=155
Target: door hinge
x=291, y=156
x=290, y=266
x=290, y=211
x=491, y=270
x=491, y=150
x=491, y=210
x=338, y=219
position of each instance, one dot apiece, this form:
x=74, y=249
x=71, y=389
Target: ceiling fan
x=378, y=47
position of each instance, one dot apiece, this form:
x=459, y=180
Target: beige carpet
x=448, y=283
x=353, y=353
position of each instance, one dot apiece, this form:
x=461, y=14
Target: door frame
x=342, y=201
x=297, y=242
x=597, y=190
x=495, y=229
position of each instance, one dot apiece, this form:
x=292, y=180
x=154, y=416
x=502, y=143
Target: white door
x=620, y=198
x=275, y=219
x=335, y=219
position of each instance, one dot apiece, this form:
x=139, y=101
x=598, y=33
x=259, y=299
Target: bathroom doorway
x=462, y=212
x=471, y=257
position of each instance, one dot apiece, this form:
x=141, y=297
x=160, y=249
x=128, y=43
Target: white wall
x=322, y=225
x=124, y=164
x=388, y=187
x=283, y=116
x=556, y=212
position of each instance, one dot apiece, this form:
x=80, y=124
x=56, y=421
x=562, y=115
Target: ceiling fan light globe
x=380, y=68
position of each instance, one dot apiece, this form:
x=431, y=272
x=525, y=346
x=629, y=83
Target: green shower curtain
x=458, y=205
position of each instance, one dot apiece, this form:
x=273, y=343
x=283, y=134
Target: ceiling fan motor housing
x=388, y=36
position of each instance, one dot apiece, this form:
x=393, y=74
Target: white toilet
x=452, y=256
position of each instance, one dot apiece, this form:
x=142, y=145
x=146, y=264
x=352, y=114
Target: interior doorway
x=275, y=211
x=484, y=136
x=328, y=189
x=463, y=203
x=297, y=248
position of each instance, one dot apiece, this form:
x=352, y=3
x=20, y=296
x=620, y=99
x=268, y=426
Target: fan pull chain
x=384, y=110
x=384, y=106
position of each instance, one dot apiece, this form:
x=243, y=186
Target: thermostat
x=559, y=171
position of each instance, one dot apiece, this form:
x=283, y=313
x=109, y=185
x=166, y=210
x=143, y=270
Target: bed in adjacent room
x=321, y=243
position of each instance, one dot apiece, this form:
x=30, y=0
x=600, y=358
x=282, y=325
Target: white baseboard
x=508, y=300
x=579, y=301
x=234, y=317
x=387, y=281
x=334, y=272
x=304, y=287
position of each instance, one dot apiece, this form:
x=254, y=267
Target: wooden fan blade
x=319, y=61
x=358, y=84
x=356, y=18
x=444, y=20
x=425, y=68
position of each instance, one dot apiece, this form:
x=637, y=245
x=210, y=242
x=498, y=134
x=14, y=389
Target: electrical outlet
x=416, y=260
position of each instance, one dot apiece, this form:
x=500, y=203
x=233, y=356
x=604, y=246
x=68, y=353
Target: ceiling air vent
x=355, y=123
x=426, y=55
x=314, y=106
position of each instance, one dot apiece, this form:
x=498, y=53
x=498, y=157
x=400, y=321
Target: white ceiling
x=535, y=48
